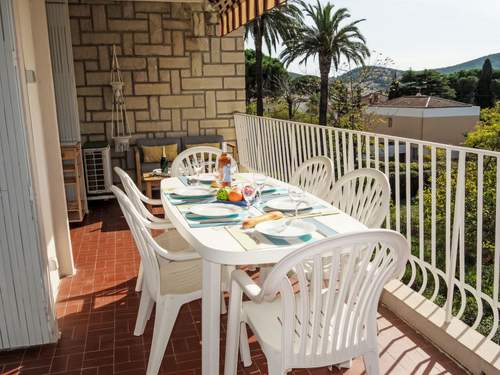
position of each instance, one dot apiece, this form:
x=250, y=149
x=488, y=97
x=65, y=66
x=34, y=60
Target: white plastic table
x=218, y=247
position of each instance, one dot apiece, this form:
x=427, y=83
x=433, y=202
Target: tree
x=426, y=82
x=495, y=87
x=296, y=91
x=464, y=86
x=484, y=94
x=269, y=28
x=345, y=106
x=272, y=71
x=329, y=39
x=486, y=135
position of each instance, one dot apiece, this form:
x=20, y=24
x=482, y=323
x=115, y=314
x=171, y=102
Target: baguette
x=253, y=221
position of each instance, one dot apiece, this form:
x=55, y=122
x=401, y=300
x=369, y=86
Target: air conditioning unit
x=98, y=172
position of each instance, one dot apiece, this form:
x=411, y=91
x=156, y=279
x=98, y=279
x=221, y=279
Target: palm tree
x=269, y=28
x=329, y=40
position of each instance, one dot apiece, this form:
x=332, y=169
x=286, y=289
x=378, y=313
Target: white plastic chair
x=171, y=279
x=364, y=194
x=184, y=164
x=139, y=200
x=314, y=176
x=303, y=322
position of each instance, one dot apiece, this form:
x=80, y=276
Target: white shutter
x=63, y=72
x=25, y=312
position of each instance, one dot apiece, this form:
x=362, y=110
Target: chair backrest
x=334, y=319
x=185, y=162
x=147, y=246
x=134, y=194
x=364, y=194
x=314, y=176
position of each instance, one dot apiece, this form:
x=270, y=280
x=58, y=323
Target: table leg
x=149, y=193
x=210, y=318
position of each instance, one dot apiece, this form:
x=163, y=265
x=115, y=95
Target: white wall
x=34, y=55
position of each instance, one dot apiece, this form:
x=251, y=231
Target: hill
x=380, y=78
x=374, y=77
x=472, y=64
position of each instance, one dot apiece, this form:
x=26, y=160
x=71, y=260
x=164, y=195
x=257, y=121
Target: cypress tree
x=485, y=98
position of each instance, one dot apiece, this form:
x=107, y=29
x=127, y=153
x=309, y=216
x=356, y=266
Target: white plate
x=286, y=204
x=193, y=191
x=207, y=177
x=215, y=209
x=284, y=229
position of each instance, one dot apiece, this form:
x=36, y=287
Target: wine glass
x=198, y=168
x=248, y=191
x=296, y=195
x=260, y=180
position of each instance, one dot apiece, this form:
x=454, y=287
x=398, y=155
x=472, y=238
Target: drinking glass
x=296, y=195
x=260, y=180
x=198, y=168
x=248, y=191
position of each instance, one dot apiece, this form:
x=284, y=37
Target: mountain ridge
x=381, y=77
x=472, y=64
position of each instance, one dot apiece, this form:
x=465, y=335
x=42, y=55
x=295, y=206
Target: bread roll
x=253, y=221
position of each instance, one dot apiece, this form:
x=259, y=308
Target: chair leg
x=244, y=347
x=166, y=315
x=372, y=364
x=145, y=308
x=138, y=283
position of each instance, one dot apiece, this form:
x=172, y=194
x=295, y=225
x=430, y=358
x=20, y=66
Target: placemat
x=251, y=240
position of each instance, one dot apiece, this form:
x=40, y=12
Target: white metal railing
x=444, y=202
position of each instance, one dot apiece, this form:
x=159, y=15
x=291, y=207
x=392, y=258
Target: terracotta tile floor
x=97, y=310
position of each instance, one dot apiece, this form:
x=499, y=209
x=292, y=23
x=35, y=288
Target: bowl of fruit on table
x=232, y=195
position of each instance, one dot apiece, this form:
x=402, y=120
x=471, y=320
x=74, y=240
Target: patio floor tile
x=97, y=308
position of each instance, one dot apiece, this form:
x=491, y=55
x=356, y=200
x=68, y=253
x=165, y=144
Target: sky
x=421, y=34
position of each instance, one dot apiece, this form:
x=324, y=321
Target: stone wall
x=180, y=77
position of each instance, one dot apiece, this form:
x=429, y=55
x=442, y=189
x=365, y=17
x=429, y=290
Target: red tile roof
x=422, y=102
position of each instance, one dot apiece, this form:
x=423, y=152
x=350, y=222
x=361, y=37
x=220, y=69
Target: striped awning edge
x=236, y=13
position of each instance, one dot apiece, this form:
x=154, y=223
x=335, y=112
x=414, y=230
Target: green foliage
x=345, y=106
x=272, y=71
x=486, y=135
x=306, y=85
x=485, y=98
x=269, y=28
x=426, y=82
x=329, y=37
x=464, y=87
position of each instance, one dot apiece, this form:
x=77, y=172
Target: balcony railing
x=443, y=201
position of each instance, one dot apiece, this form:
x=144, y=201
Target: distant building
x=427, y=118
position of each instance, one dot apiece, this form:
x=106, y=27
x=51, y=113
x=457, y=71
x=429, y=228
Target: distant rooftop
x=422, y=101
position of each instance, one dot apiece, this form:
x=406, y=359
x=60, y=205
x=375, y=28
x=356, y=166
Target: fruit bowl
x=230, y=195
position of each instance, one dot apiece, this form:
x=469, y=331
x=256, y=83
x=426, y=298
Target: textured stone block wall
x=180, y=77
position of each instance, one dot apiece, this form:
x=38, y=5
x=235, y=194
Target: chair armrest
x=251, y=289
x=181, y=256
x=159, y=225
x=152, y=202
